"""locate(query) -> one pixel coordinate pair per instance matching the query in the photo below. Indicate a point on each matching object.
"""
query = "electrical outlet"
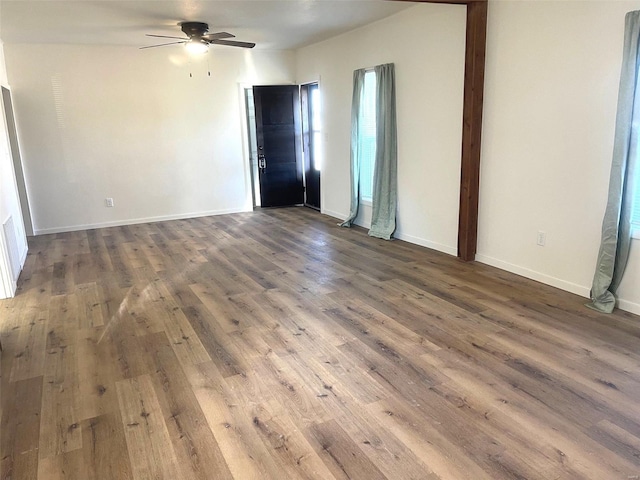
(108, 202)
(542, 238)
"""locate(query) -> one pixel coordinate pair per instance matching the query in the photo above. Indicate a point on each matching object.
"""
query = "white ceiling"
(271, 24)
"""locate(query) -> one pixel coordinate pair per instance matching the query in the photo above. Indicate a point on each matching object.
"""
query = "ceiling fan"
(198, 40)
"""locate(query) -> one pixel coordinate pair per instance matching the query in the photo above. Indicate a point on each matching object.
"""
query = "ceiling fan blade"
(217, 36)
(165, 36)
(163, 45)
(232, 43)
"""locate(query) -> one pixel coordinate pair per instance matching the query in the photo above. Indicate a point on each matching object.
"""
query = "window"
(367, 136)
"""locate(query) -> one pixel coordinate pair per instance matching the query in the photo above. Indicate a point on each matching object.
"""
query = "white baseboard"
(339, 216)
(402, 236)
(134, 221)
(426, 243)
(583, 291)
(627, 306)
(537, 276)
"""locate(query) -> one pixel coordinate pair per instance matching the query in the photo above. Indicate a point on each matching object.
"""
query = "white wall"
(9, 203)
(99, 121)
(426, 43)
(550, 103)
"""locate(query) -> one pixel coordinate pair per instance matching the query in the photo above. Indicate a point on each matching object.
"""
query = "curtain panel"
(385, 174)
(616, 225)
(356, 150)
(385, 178)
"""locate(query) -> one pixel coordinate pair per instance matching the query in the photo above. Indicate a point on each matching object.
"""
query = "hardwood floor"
(276, 345)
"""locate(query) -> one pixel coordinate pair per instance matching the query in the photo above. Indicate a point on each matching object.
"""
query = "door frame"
(246, 153)
(8, 285)
(18, 168)
(248, 176)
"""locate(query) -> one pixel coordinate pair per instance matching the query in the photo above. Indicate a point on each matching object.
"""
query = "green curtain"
(356, 150)
(616, 226)
(385, 174)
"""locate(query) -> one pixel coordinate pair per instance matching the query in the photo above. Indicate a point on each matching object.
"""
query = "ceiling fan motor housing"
(194, 29)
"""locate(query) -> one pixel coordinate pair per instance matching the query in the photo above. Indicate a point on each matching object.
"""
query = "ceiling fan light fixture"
(197, 46)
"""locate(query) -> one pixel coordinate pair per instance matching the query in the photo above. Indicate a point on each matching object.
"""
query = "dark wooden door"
(279, 147)
(311, 139)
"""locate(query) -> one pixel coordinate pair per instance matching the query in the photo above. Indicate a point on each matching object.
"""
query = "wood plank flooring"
(276, 345)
